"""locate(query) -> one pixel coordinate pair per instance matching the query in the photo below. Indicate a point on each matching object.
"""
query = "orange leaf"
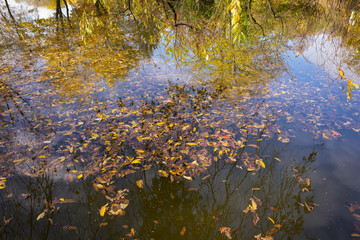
(183, 230)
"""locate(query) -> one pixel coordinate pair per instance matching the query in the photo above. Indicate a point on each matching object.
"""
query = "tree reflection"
(164, 208)
(202, 169)
(195, 161)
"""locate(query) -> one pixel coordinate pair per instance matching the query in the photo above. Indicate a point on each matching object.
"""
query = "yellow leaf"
(139, 183)
(2, 183)
(194, 163)
(102, 210)
(357, 216)
(80, 176)
(61, 199)
(271, 220)
(297, 54)
(103, 224)
(341, 72)
(355, 235)
(163, 173)
(253, 205)
(261, 163)
(277, 159)
(188, 178)
(191, 144)
(136, 161)
(160, 123)
(41, 215)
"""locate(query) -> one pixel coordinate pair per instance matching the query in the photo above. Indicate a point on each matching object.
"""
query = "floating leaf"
(2, 183)
(271, 220)
(136, 161)
(272, 231)
(41, 215)
(357, 216)
(116, 209)
(226, 232)
(102, 210)
(71, 227)
(26, 195)
(191, 144)
(261, 163)
(103, 224)
(139, 183)
(255, 219)
(163, 173)
(353, 207)
(80, 176)
(183, 230)
(188, 178)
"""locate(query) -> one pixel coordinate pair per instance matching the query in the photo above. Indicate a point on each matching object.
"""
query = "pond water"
(132, 129)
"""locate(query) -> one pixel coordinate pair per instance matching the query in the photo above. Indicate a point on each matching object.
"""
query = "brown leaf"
(353, 207)
(272, 231)
(103, 224)
(255, 219)
(226, 232)
(26, 195)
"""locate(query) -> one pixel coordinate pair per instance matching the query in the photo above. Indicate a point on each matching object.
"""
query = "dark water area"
(135, 130)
